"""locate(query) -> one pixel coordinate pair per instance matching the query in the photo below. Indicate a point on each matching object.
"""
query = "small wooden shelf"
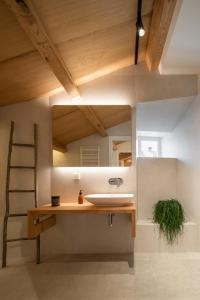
(37, 225)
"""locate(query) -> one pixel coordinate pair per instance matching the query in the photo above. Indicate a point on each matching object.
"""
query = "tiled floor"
(162, 277)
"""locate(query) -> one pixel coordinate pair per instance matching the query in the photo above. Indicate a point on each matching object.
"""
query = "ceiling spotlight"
(140, 28)
(141, 31)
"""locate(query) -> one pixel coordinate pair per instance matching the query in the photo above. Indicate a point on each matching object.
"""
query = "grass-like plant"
(170, 216)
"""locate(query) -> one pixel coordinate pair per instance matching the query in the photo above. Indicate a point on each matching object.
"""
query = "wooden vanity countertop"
(36, 225)
(82, 208)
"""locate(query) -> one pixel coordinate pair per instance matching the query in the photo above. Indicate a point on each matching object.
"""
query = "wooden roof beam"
(90, 115)
(59, 147)
(163, 11)
(31, 24)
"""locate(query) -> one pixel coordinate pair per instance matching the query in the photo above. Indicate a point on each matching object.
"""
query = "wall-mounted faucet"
(110, 220)
(115, 181)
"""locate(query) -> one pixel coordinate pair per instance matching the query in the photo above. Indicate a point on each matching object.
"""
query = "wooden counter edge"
(37, 226)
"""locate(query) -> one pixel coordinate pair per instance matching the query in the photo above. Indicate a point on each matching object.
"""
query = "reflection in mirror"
(120, 151)
(92, 136)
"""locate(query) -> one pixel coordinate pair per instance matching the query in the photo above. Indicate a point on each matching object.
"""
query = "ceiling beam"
(59, 147)
(90, 115)
(31, 24)
(161, 19)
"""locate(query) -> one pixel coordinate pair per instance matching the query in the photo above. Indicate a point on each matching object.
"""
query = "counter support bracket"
(37, 226)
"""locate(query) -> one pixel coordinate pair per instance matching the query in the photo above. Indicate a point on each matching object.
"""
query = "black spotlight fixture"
(140, 32)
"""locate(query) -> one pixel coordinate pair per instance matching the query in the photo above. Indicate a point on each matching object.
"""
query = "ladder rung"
(22, 167)
(19, 239)
(17, 215)
(22, 191)
(23, 145)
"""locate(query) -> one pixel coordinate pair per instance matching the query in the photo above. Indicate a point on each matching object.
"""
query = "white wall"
(184, 144)
(156, 180)
(181, 55)
(161, 116)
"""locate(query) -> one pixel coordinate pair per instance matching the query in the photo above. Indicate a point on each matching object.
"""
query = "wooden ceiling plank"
(93, 119)
(30, 22)
(24, 79)
(161, 19)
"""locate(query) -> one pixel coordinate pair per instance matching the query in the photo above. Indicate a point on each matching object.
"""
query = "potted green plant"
(170, 216)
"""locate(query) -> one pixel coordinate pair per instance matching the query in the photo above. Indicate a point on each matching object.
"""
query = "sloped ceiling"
(93, 37)
(161, 116)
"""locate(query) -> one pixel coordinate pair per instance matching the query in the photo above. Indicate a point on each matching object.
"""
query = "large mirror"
(92, 135)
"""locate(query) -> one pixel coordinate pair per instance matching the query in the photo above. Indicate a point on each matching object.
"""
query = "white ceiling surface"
(182, 49)
(160, 116)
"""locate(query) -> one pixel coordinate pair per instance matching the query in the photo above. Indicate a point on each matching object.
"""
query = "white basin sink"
(110, 199)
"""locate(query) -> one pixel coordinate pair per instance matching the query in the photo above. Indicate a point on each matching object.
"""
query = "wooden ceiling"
(47, 44)
(72, 122)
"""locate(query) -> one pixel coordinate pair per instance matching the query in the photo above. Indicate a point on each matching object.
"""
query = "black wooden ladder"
(8, 215)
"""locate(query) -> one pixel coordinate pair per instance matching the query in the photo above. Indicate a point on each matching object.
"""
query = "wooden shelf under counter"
(38, 223)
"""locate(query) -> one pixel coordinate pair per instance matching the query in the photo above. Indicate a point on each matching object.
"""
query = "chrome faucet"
(115, 181)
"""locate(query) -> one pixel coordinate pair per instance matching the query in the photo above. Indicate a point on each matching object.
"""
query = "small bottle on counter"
(80, 197)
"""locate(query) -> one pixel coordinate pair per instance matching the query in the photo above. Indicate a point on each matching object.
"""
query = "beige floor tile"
(155, 277)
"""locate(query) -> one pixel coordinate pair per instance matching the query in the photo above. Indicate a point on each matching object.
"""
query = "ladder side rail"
(35, 187)
(7, 211)
(8, 191)
(35, 163)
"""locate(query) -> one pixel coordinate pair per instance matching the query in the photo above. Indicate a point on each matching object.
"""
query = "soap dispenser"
(80, 197)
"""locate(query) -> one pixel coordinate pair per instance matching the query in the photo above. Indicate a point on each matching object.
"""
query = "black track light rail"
(138, 23)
